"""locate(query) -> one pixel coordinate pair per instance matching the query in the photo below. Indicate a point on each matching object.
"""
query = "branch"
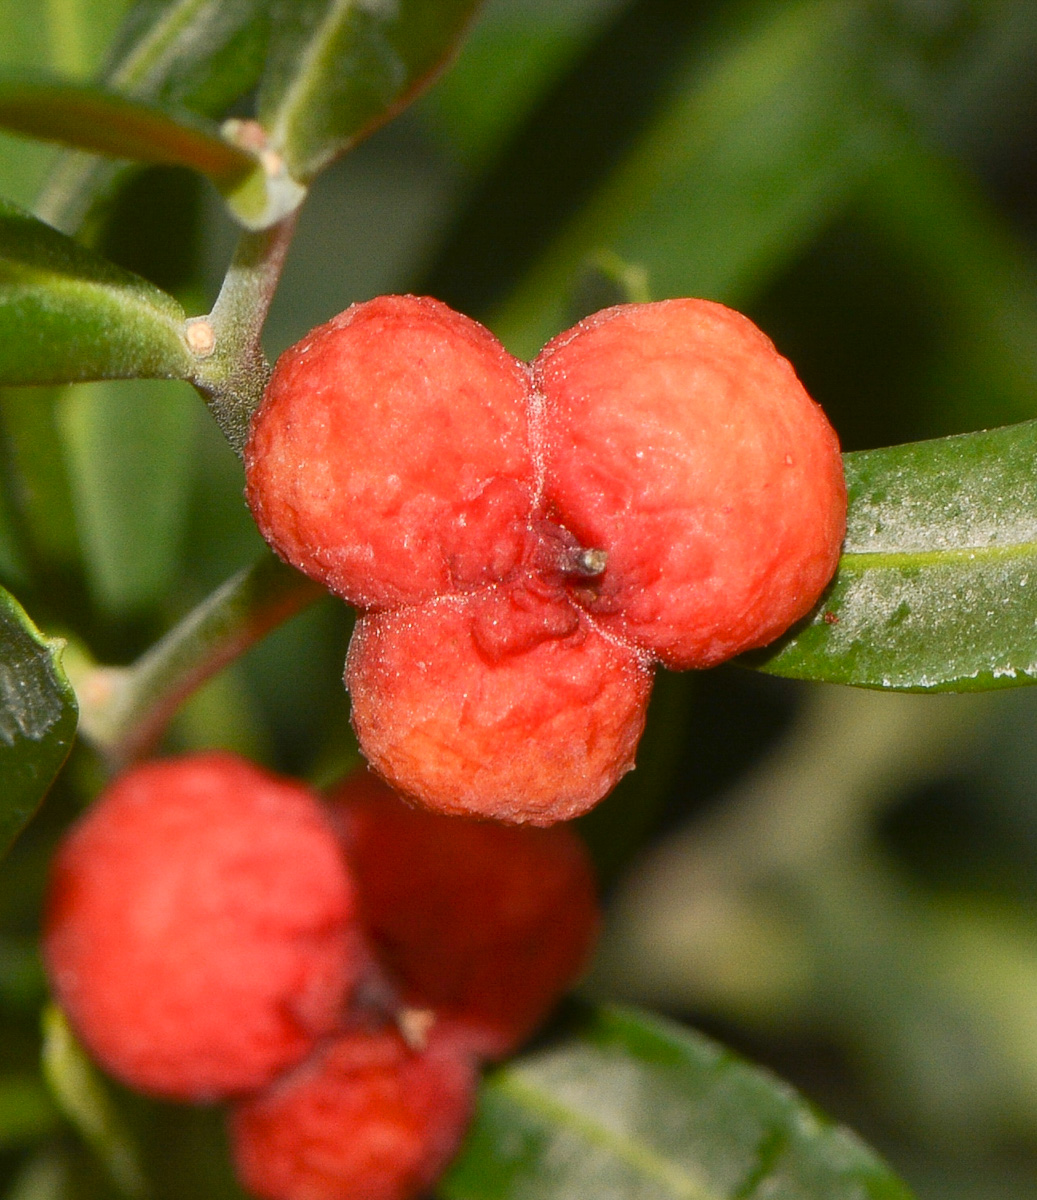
(124, 710)
(232, 370)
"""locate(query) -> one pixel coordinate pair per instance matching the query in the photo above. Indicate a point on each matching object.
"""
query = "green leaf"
(84, 1097)
(66, 314)
(630, 1105)
(46, 1176)
(339, 68)
(201, 54)
(26, 1111)
(936, 587)
(35, 477)
(105, 122)
(37, 717)
(67, 36)
(129, 447)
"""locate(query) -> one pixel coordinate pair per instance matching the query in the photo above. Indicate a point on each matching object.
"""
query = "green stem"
(232, 369)
(85, 1098)
(125, 710)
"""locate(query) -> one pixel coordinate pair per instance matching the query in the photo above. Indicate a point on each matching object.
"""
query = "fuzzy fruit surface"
(199, 928)
(527, 540)
(486, 924)
(365, 1118)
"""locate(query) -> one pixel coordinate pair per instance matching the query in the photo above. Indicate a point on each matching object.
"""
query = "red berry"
(366, 1118)
(486, 924)
(656, 487)
(199, 927)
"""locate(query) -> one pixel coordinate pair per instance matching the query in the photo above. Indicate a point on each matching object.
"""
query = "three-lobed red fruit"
(214, 931)
(199, 930)
(525, 541)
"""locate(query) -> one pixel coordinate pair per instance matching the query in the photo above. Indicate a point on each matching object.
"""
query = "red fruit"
(366, 1118)
(486, 924)
(199, 927)
(656, 487)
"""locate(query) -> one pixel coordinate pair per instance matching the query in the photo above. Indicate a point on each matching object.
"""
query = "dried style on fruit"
(526, 541)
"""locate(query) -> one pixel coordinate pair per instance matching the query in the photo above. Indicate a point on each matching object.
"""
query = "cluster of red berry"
(337, 970)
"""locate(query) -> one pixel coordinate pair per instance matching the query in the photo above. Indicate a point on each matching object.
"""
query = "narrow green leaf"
(67, 36)
(105, 122)
(66, 314)
(35, 477)
(85, 1099)
(630, 1105)
(339, 68)
(202, 54)
(37, 717)
(26, 1111)
(937, 586)
(46, 1176)
(76, 33)
(128, 447)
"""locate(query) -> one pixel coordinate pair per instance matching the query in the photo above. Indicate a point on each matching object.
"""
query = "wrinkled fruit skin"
(486, 924)
(366, 1118)
(199, 929)
(526, 541)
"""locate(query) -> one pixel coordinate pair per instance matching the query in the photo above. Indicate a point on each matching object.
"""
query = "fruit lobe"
(680, 442)
(366, 1118)
(391, 458)
(522, 736)
(486, 924)
(199, 927)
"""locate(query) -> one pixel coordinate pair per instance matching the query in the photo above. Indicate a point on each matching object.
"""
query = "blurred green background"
(841, 884)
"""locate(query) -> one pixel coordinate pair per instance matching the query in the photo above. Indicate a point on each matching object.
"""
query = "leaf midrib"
(141, 58)
(675, 1179)
(316, 50)
(857, 561)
